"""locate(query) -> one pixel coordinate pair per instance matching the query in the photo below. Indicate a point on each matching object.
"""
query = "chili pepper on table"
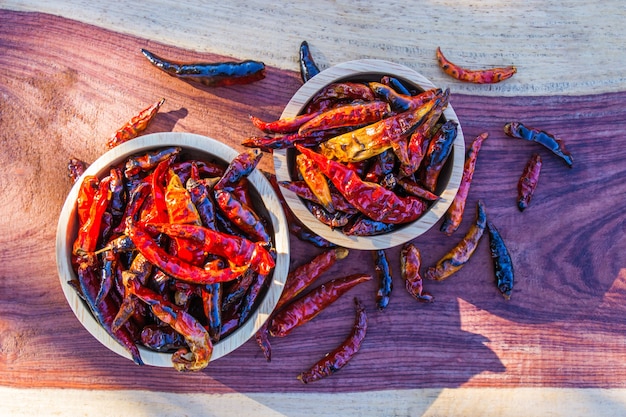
(528, 181)
(503, 265)
(308, 67)
(520, 131)
(439, 149)
(454, 214)
(385, 281)
(304, 309)
(217, 74)
(482, 76)
(135, 125)
(410, 264)
(371, 199)
(342, 354)
(348, 115)
(462, 252)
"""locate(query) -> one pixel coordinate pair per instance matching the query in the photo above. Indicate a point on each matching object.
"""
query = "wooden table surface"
(71, 73)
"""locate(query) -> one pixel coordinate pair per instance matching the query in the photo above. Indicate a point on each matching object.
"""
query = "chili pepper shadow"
(165, 121)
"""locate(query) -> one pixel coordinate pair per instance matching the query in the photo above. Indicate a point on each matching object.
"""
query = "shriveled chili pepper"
(286, 125)
(335, 92)
(212, 305)
(201, 199)
(196, 337)
(364, 226)
(481, 76)
(242, 216)
(145, 162)
(176, 267)
(241, 166)
(454, 214)
(502, 262)
(75, 168)
(462, 252)
(348, 115)
(204, 169)
(413, 188)
(385, 281)
(301, 189)
(86, 193)
(316, 181)
(304, 309)
(161, 338)
(118, 194)
(410, 264)
(289, 140)
(371, 199)
(237, 289)
(139, 269)
(89, 232)
(308, 67)
(528, 181)
(520, 131)
(401, 102)
(252, 296)
(211, 74)
(342, 354)
(135, 125)
(383, 164)
(333, 220)
(135, 200)
(396, 84)
(438, 151)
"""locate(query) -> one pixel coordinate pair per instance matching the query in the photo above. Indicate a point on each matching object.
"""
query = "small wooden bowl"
(368, 70)
(199, 147)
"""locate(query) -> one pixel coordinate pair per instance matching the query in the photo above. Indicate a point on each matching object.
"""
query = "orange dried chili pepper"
(482, 76)
(315, 180)
(135, 126)
(528, 182)
(89, 232)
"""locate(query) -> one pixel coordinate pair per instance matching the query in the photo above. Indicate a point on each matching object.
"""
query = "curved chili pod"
(161, 338)
(135, 126)
(482, 76)
(396, 84)
(385, 281)
(462, 252)
(135, 165)
(336, 92)
(335, 220)
(286, 125)
(454, 215)
(528, 182)
(410, 264)
(210, 74)
(242, 216)
(252, 296)
(348, 115)
(304, 309)
(415, 189)
(520, 131)
(502, 262)
(241, 166)
(301, 189)
(89, 231)
(308, 67)
(439, 149)
(316, 181)
(342, 354)
(364, 226)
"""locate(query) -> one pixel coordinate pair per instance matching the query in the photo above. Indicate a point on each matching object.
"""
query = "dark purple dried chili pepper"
(362, 225)
(242, 216)
(502, 262)
(528, 182)
(396, 84)
(211, 74)
(520, 131)
(335, 220)
(161, 338)
(212, 305)
(438, 151)
(308, 67)
(241, 166)
(252, 296)
(340, 356)
(385, 281)
(134, 165)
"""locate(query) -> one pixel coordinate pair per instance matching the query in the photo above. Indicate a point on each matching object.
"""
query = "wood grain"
(64, 90)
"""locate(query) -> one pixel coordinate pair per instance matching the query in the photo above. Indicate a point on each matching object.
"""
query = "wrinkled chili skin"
(528, 181)
(342, 354)
(349, 115)
(396, 84)
(482, 76)
(385, 281)
(316, 181)
(520, 131)
(462, 252)
(454, 215)
(304, 309)
(410, 264)
(413, 188)
(308, 67)
(211, 74)
(149, 160)
(212, 295)
(382, 165)
(286, 125)
(135, 125)
(502, 262)
(335, 220)
(302, 190)
(161, 338)
(89, 231)
(201, 199)
(439, 149)
(251, 297)
(242, 216)
(364, 226)
(75, 168)
(336, 92)
(241, 166)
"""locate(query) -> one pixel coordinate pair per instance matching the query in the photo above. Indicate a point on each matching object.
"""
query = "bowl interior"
(449, 178)
(194, 146)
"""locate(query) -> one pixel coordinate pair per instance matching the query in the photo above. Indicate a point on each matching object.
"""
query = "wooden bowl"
(368, 70)
(199, 147)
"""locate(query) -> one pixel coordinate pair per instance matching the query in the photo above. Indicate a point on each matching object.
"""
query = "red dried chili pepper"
(348, 115)
(336, 92)
(211, 74)
(528, 181)
(302, 190)
(75, 168)
(482, 76)
(149, 160)
(242, 216)
(86, 193)
(139, 270)
(396, 84)
(286, 125)
(304, 309)
(308, 67)
(454, 215)
(251, 297)
(462, 252)
(241, 166)
(503, 265)
(342, 354)
(201, 199)
(383, 164)
(316, 181)
(334, 220)
(89, 232)
(136, 199)
(371, 199)
(135, 126)
(410, 264)
(439, 149)
(402, 102)
(385, 281)
(413, 188)
(520, 131)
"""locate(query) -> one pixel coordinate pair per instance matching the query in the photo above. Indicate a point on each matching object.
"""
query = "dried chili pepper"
(413, 188)
(86, 193)
(161, 338)
(135, 125)
(251, 297)
(202, 201)
(402, 102)
(210, 74)
(462, 252)
(383, 164)
(286, 125)
(139, 270)
(334, 220)
(454, 214)
(241, 166)
(371, 199)
(342, 354)
(118, 194)
(148, 161)
(348, 115)
(89, 232)
(439, 149)
(308, 67)
(316, 181)
(385, 281)
(503, 265)
(337, 92)
(520, 131)
(396, 84)
(212, 296)
(304, 309)
(410, 264)
(75, 168)
(364, 226)
(302, 190)
(528, 181)
(482, 76)
(242, 216)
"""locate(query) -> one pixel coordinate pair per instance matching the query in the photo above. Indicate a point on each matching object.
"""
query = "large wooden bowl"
(199, 147)
(367, 70)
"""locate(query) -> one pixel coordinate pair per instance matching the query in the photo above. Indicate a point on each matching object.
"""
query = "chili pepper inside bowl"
(149, 290)
(391, 213)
